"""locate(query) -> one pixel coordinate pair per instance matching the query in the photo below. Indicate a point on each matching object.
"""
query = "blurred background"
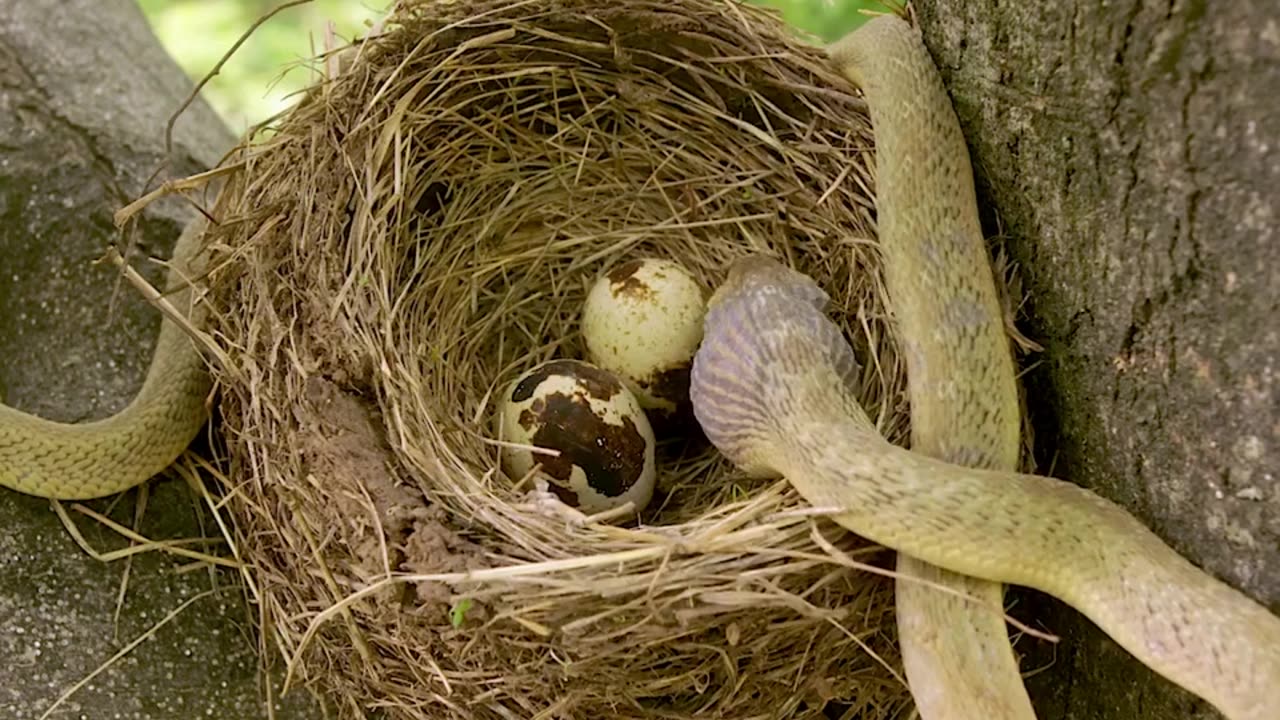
(258, 80)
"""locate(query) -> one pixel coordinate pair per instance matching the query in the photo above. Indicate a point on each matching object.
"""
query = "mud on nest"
(422, 227)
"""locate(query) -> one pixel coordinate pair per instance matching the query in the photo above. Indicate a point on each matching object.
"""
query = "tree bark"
(85, 91)
(1127, 153)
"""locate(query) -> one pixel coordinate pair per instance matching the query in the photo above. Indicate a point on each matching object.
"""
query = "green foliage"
(271, 65)
(827, 20)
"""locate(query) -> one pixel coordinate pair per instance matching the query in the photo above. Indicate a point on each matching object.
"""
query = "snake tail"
(81, 461)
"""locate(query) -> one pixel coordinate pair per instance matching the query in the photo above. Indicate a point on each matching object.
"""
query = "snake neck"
(768, 351)
(937, 272)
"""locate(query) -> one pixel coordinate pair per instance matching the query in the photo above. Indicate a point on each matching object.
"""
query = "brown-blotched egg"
(605, 441)
(643, 322)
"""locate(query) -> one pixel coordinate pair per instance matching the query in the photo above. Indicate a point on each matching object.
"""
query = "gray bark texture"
(1127, 154)
(85, 91)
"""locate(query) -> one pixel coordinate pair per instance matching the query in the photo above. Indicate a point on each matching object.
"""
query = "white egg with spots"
(604, 440)
(643, 322)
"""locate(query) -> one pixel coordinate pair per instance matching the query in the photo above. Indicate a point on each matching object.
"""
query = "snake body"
(960, 372)
(80, 461)
(773, 388)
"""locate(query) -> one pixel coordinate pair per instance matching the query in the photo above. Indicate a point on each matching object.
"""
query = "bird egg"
(604, 439)
(643, 322)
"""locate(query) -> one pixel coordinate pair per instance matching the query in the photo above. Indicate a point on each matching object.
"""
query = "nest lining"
(423, 227)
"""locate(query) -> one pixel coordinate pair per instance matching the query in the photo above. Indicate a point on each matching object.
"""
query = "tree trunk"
(1127, 153)
(85, 91)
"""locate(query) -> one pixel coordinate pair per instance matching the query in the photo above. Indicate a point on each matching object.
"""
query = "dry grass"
(424, 226)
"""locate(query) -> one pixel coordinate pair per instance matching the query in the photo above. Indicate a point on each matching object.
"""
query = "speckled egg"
(643, 322)
(605, 441)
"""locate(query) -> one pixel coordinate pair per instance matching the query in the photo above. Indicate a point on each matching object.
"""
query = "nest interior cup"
(423, 227)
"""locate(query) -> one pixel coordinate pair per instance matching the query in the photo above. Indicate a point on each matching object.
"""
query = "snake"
(774, 388)
(83, 461)
(961, 387)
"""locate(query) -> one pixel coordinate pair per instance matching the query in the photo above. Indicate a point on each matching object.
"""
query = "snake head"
(768, 353)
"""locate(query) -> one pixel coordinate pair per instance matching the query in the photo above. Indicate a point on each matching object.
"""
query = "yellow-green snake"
(80, 461)
(773, 388)
(963, 396)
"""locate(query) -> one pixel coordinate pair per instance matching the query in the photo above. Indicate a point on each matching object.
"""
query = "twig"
(168, 128)
(169, 546)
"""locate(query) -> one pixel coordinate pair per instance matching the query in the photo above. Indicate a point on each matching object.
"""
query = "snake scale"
(963, 396)
(773, 388)
(81, 461)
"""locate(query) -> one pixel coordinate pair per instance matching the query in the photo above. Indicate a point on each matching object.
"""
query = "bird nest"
(422, 227)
